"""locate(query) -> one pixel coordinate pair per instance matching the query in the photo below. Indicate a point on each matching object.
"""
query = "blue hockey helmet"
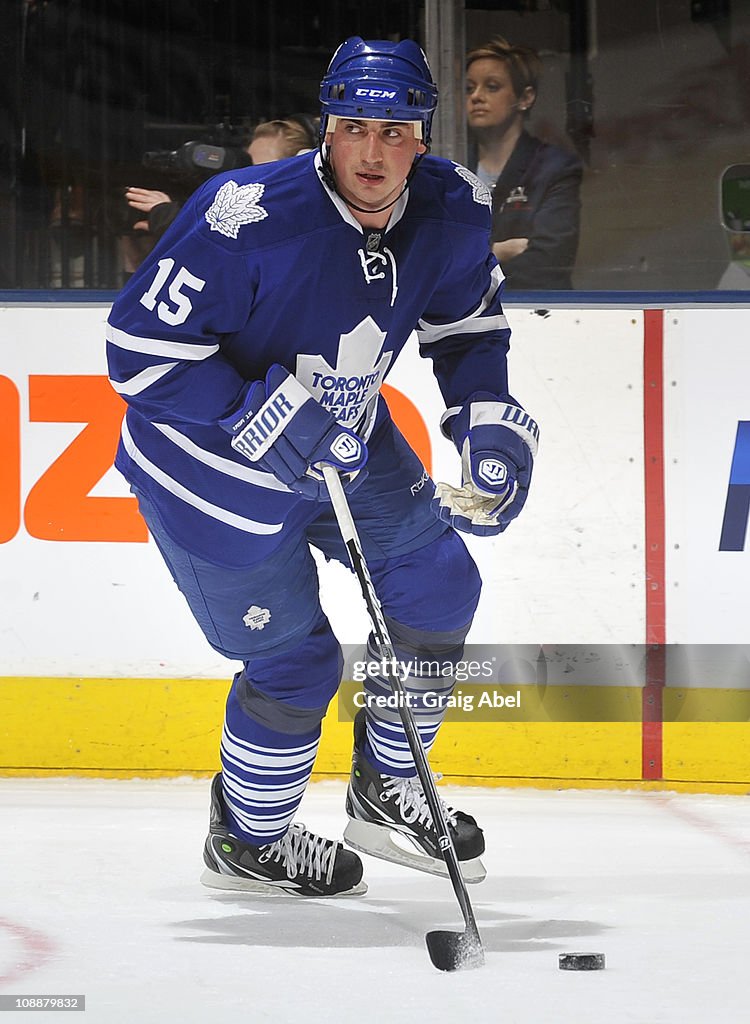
(381, 81)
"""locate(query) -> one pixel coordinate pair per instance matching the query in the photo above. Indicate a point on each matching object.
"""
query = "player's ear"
(421, 148)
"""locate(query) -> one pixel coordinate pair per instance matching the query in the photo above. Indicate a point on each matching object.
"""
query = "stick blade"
(455, 951)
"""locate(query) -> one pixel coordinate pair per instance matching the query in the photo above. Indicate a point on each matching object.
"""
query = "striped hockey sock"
(427, 689)
(264, 776)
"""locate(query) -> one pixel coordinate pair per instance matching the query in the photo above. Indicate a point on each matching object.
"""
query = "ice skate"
(301, 864)
(389, 818)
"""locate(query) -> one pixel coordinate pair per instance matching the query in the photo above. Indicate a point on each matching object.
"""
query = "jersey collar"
(399, 207)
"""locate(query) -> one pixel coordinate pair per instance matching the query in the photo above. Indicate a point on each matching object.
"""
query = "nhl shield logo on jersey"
(479, 191)
(256, 618)
(235, 205)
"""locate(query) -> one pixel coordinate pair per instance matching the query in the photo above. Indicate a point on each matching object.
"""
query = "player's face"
(370, 161)
(490, 99)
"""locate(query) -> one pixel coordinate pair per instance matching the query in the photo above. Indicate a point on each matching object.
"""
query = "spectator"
(144, 200)
(535, 185)
(271, 140)
(275, 140)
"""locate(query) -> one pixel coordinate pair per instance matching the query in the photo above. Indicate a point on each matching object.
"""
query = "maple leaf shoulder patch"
(235, 205)
(479, 191)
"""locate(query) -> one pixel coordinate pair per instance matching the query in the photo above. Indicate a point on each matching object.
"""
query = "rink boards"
(634, 534)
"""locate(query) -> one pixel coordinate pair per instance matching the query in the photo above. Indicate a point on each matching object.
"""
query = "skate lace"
(411, 799)
(303, 853)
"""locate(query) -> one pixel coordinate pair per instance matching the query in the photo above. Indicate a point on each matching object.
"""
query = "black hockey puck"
(581, 961)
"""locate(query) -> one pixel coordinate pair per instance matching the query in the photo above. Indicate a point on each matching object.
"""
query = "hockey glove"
(282, 429)
(497, 442)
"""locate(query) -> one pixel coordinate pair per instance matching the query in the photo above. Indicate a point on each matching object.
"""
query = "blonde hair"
(524, 64)
(293, 135)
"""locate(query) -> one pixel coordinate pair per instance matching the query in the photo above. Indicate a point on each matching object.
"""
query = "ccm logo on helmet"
(377, 94)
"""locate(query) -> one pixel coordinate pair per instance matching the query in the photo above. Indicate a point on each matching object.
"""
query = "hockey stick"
(448, 950)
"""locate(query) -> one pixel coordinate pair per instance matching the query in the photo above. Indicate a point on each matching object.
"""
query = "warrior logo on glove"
(497, 441)
(346, 448)
(259, 433)
(493, 472)
(283, 430)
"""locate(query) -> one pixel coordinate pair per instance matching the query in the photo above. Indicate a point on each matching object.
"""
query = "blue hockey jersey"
(267, 265)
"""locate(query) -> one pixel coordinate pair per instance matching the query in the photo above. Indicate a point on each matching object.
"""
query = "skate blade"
(231, 883)
(366, 837)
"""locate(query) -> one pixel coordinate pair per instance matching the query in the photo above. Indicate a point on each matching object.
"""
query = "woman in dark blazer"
(535, 185)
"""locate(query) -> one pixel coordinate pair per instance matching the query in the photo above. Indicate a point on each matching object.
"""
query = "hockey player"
(250, 348)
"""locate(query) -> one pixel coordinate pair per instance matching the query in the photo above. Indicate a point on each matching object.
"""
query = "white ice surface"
(100, 896)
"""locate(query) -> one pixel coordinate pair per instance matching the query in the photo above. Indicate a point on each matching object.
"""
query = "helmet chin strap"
(330, 180)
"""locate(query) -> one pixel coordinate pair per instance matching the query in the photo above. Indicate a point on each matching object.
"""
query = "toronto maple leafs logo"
(479, 191)
(346, 387)
(235, 205)
(256, 618)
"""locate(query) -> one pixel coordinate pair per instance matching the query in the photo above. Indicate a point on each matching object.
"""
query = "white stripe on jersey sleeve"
(474, 323)
(223, 515)
(219, 463)
(158, 346)
(142, 380)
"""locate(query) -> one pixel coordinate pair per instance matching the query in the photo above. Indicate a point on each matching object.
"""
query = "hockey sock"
(264, 775)
(427, 688)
